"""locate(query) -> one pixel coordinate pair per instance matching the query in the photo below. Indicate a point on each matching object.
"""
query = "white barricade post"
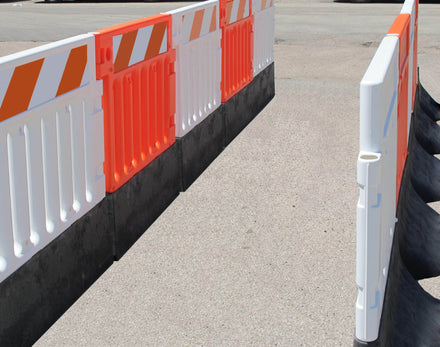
(51, 145)
(410, 7)
(197, 40)
(264, 34)
(376, 172)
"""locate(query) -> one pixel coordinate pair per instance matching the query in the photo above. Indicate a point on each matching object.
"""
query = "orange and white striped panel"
(236, 10)
(260, 5)
(199, 23)
(33, 83)
(135, 46)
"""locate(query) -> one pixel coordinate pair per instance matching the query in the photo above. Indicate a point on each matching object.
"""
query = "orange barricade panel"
(136, 63)
(401, 29)
(237, 44)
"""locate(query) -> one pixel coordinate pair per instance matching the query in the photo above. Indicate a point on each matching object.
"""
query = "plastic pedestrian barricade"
(376, 172)
(136, 63)
(51, 145)
(401, 29)
(264, 34)
(237, 21)
(196, 38)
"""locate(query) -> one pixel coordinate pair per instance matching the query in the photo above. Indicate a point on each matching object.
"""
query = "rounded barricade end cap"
(401, 24)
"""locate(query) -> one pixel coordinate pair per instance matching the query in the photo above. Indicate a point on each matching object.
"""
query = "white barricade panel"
(264, 34)
(409, 7)
(376, 173)
(197, 40)
(51, 145)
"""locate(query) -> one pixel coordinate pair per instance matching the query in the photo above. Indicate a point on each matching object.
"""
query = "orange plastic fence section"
(136, 63)
(237, 44)
(401, 29)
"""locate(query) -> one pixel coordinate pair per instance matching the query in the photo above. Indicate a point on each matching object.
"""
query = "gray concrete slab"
(260, 250)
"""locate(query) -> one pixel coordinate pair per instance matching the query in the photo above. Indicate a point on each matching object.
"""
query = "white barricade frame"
(376, 172)
(197, 40)
(264, 34)
(53, 150)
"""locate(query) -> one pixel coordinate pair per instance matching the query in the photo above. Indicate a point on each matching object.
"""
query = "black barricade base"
(244, 106)
(140, 201)
(199, 147)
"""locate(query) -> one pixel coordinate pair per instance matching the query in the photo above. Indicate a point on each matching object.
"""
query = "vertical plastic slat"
(19, 190)
(36, 181)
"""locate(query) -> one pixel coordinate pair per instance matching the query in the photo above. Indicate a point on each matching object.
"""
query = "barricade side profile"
(392, 258)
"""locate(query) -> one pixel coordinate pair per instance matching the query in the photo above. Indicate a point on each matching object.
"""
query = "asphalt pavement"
(260, 250)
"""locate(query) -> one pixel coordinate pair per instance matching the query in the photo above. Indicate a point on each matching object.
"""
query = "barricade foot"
(358, 343)
(41, 290)
(411, 316)
(139, 202)
(201, 146)
(248, 103)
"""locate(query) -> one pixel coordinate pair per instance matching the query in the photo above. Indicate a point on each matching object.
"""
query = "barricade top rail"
(399, 25)
(401, 29)
(260, 5)
(409, 5)
(232, 11)
(35, 76)
(194, 21)
(380, 63)
(123, 45)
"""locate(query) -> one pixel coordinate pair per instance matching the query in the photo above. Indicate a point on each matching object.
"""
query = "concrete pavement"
(260, 251)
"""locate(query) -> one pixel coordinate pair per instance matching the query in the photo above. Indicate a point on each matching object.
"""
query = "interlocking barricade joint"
(51, 145)
(136, 63)
(264, 34)
(401, 29)
(376, 172)
(237, 23)
(411, 7)
(196, 38)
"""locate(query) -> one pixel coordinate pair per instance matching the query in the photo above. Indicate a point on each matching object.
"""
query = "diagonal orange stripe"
(263, 4)
(74, 71)
(157, 36)
(197, 24)
(228, 11)
(20, 90)
(271, 3)
(241, 7)
(213, 25)
(125, 49)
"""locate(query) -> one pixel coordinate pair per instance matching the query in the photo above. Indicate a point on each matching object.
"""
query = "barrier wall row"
(387, 93)
(81, 117)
